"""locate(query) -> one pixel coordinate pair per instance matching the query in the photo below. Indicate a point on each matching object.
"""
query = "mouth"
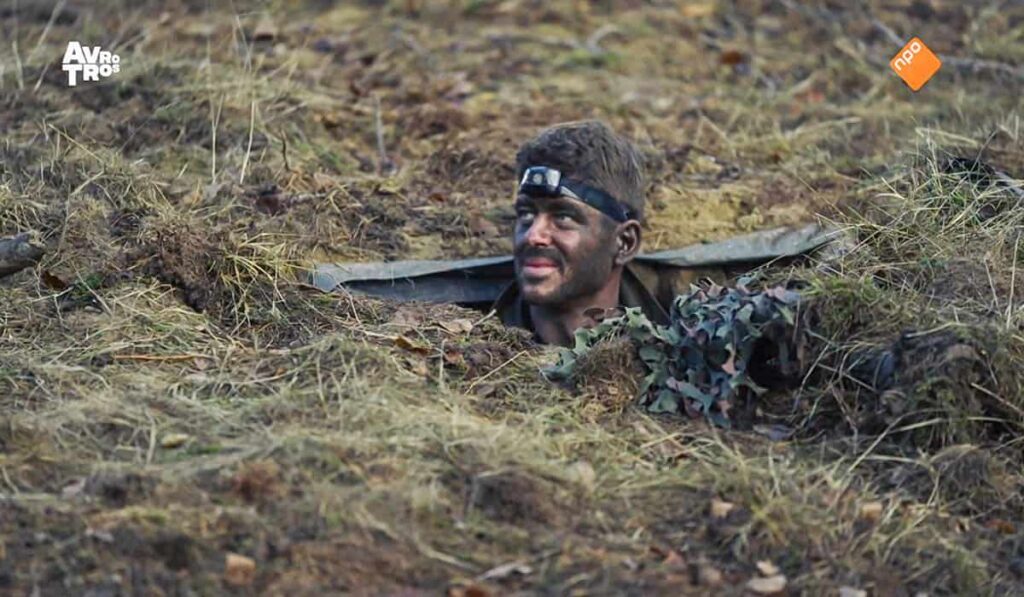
(538, 267)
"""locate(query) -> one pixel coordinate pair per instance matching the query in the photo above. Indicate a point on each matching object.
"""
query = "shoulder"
(640, 288)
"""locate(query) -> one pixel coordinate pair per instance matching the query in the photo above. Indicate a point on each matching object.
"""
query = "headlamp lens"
(539, 180)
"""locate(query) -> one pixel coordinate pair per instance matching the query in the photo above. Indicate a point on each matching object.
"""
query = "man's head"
(572, 242)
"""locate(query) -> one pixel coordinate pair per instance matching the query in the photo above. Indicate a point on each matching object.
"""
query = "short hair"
(589, 152)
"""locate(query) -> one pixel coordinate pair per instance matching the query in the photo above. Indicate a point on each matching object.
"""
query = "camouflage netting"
(722, 347)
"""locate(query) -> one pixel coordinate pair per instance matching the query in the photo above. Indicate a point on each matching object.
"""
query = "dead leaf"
(811, 96)
(708, 575)
(871, 511)
(419, 368)
(408, 315)
(506, 570)
(99, 535)
(481, 226)
(1002, 525)
(52, 282)
(581, 472)
(674, 560)
(469, 591)
(199, 29)
(407, 344)
(454, 357)
(767, 586)
(766, 568)
(459, 88)
(329, 120)
(239, 571)
(698, 11)
(266, 30)
(732, 57)
(720, 508)
(852, 592)
(73, 489)
(174, 440)
(457, 326)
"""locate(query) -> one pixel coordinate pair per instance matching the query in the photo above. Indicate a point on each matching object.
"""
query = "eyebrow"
(551, 204)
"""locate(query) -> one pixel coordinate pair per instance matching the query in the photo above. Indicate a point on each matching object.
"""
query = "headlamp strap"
(548, 182)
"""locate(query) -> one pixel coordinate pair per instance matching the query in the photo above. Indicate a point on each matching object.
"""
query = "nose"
(539, 233)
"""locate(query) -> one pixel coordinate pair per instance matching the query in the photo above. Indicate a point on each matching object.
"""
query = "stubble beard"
(587, 278)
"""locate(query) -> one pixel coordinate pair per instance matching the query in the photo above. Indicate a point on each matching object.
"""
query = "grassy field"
(181, 414)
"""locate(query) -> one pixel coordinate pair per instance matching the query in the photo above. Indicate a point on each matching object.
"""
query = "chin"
(537, 295)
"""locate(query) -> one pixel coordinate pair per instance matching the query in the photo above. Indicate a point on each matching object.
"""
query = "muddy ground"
(181, 414)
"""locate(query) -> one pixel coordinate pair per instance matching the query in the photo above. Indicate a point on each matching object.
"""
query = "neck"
(557, 324)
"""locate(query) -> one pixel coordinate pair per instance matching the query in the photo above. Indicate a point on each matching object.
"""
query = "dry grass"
(170, 392)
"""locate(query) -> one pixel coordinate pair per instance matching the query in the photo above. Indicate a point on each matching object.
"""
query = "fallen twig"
(962, 64)
(593, 43)
(977, 65)
(522, 567)
(384, 164)
(158, 357)
(887, 32)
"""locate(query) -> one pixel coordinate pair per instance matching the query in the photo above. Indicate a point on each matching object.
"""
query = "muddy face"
(563, 249)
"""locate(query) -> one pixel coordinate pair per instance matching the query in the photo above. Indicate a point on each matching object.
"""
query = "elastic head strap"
(548, 182)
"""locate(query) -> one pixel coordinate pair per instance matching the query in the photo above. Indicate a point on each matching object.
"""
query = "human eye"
(566, 218)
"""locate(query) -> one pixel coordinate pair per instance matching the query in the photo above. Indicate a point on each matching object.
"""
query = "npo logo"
(915, 63)
(91, 62)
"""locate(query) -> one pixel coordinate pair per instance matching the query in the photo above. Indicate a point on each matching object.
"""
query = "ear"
(628, 236)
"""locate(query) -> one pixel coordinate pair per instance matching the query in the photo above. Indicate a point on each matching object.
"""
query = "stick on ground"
(17, 253)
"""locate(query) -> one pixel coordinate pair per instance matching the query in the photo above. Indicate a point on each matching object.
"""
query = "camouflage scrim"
(720, 343)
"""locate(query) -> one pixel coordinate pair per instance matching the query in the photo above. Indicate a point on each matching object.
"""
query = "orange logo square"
(915, 63)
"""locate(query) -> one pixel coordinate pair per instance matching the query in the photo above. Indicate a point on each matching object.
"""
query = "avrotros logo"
(91, 62)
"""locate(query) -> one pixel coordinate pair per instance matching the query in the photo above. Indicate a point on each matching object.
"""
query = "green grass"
(351, 445)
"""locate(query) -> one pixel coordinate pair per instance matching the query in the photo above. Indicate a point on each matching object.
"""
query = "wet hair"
(588, 151)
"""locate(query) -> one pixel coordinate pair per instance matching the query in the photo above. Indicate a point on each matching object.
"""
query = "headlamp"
(538, 180)
(541, 181)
